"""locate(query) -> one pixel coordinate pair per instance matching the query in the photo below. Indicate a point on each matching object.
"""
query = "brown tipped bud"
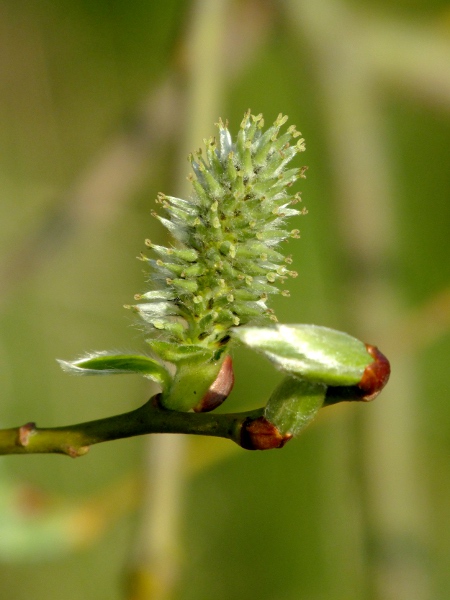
(375, 377)
(220, 389)
(260, 434)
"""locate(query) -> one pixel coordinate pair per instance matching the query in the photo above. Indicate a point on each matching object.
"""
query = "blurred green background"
(100, 103)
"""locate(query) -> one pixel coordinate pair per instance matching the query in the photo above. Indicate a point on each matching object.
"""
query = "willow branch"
(75, 440)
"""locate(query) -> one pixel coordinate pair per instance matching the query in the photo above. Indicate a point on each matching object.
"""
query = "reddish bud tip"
(260, 434)
(220, 389)
(376, 375)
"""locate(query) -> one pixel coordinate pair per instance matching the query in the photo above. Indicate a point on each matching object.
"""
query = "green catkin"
(225, 262)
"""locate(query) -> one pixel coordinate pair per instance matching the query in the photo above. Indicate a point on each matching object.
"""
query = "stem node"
(24, 434)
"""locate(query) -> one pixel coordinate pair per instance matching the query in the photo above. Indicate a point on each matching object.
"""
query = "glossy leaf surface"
(311, 352)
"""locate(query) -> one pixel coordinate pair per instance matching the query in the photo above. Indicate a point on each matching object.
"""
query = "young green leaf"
(102, 363)
(179, 353)
(310, 352)
(294, 404)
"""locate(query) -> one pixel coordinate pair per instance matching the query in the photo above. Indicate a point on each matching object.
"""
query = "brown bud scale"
(376, 375)
(260, 434)
(220, 389)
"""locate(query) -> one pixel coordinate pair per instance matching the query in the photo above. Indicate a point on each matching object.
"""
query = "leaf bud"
(374, 378)
(260, 434)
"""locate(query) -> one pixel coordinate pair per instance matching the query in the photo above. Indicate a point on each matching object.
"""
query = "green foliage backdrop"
(100, 103)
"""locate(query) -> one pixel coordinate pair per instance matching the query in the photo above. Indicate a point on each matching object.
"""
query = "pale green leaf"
(112, 364)
(294, 404)
(310, 352)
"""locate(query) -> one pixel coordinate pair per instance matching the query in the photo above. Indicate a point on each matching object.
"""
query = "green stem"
(75, 440)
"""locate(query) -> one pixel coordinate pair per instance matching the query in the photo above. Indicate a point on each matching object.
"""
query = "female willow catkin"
(224, 261)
